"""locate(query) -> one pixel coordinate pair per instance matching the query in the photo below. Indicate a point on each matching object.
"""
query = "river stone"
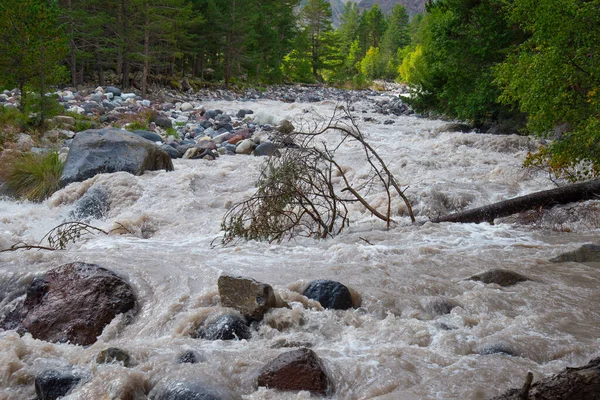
(251, 298)
(582, 383)
(188, 357)
(225, 327)
(186, 107)
(53, 384)
(115, 91)
(295, 370)
(440, 306)
(243, 112)
(92, 205)
(151, 136)
(72, 303)
(171, 151)
(285, 127)
(500, 277)
(246, 146)
(586, 253)
(267, 149)
(113, 355)
(185, 390)
(64, 119)
(97, 151)
(163, 121)
(330, 294)
(496, 348)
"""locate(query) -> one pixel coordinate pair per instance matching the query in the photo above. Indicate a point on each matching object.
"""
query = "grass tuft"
(32, 176)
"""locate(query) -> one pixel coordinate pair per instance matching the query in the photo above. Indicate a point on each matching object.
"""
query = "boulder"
(190, 390)
(330, 294)
(295, 370)
(171, 151)
(267, 149)
(251, 298)
(224, 327)
(243, 112)
(72, 303)
(586, 253)
(582, 383)
(500, 277)
(65, 120)
(440, 305)
(151, 136)
(92, 205)
(52, 384)
(115, 91)
(246, 146)
(97, 151)
(113, 355)
(186, 107)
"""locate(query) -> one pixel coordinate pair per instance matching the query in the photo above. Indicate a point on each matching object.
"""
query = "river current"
(397, 345)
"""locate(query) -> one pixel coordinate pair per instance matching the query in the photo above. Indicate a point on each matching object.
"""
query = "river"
(396, 345)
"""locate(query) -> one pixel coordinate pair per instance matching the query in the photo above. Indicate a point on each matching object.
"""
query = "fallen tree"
(570, 384)
(544, 199)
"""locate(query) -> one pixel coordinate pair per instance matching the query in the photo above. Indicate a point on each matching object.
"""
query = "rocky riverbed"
(419, 311)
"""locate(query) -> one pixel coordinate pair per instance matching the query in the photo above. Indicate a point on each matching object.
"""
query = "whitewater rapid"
(396, 345)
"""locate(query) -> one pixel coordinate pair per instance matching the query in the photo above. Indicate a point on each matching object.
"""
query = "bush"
(32, 176)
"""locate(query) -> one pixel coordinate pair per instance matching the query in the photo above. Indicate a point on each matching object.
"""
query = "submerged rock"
(454, 127)
(97, 151)
(72, 303)
(186, 390)
(330, 294)
(92, 205)
(586, 253)
(225, 327)
(249, 297)
(52, 384)
(500, 277)
(114, 355)
(188, 357)
(295, 370)
(496, 348)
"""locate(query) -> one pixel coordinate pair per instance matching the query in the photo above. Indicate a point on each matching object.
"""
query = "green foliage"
(554, 77)
(172, 132)
(33, 176)
(461, 43)
(374, 64)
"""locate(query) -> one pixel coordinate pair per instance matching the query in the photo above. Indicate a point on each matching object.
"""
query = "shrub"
(32, 176)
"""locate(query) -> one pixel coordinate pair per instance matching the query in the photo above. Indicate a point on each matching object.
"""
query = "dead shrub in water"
(32, 176)
(305, 191)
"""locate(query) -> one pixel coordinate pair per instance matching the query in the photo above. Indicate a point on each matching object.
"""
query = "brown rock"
(72, 303)
(295, 370)
(500, 277)
(249, 297)
(236, 139)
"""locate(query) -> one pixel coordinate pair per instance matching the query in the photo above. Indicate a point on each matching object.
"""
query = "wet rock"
(242, 113)
(496, 348)
(267, 149)
(440, 306)
(225, 327)
(586, 253)
(55, 383)
(188, 357)
(454, 127)
(151, 136)
(92, 205)
(72, 303)
(582, 383)
(163, 121)
(500, 277)
(246, 146)
(185, 390)
(295, 370)
(388, 122)
(171, 151)
(113, 355)
(97, 151)
(251, 298)
(330, 294)
(285, 127)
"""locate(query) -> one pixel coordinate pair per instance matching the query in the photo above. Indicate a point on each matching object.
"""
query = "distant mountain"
(412, 6)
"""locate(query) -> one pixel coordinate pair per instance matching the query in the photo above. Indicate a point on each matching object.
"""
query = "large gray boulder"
(97, 151)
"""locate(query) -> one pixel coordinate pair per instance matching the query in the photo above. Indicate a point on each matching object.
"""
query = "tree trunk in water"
(546, 198)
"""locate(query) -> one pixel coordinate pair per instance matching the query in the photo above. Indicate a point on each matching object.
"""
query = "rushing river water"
(396, 345)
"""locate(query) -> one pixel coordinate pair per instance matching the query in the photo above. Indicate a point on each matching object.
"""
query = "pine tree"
(317, 19)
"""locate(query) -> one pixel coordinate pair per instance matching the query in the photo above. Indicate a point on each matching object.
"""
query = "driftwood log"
(581, 383)
(545, 199)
